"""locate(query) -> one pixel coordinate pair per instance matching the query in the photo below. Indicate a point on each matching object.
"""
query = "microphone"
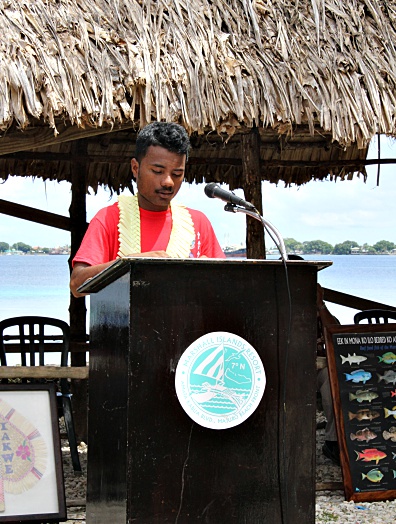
(212, 190)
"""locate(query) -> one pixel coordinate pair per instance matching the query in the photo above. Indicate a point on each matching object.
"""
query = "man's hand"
(83, 272)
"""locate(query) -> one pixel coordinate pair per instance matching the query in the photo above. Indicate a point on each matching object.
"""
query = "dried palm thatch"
(215, 66)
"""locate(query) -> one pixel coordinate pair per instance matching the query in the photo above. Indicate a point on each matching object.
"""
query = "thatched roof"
(317, 77)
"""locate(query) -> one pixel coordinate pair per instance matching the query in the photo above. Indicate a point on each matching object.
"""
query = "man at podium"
(148, 224)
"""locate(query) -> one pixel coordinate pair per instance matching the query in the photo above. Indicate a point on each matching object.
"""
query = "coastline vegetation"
(348, 247)
(309, 247)
(320, 247)
(20, 248)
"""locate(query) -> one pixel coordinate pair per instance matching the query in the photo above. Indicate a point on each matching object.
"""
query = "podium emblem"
(220, 380)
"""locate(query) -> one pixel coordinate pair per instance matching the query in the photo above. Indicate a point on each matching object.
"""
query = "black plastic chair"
(375, 316)
(28, 338)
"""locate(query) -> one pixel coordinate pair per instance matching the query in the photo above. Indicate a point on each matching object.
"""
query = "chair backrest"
(375, 316)
(32, 338)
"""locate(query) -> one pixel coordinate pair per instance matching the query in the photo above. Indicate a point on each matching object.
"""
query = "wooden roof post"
(250, 144)
(77, 309)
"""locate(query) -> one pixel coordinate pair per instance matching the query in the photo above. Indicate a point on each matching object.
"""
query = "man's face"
(158, 177)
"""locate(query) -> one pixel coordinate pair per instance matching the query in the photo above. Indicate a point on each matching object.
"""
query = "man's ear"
(135, 167)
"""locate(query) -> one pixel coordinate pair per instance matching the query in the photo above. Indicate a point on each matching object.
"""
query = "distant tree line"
(319, 247)
(310, 247)
(18, 246)
(23, 248)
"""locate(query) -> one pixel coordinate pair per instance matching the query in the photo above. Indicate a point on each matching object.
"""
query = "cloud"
(335, 211)
(320, 220)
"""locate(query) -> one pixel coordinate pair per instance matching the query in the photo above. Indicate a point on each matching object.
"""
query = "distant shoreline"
(228, 254)
(33, 254)
(231, 254)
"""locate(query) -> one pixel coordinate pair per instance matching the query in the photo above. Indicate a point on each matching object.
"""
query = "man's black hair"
(168, 135)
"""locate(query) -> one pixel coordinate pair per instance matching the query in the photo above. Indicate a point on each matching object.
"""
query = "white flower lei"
(182, 234)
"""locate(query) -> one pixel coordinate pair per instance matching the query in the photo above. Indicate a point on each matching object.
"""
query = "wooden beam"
(327, 163)
(76, 503)
(50, 347)
(344, 299)
(43, 156)
(250, 151)
(35, 215)
(80, 373)
(293, 163)
(106, 158)
(77, 309)
(330, 486)
(40, 136)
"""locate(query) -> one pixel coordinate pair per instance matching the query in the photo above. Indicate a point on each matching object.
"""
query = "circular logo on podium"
(220, 380)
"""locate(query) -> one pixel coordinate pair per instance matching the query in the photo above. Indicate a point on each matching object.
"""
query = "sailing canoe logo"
(220, 380)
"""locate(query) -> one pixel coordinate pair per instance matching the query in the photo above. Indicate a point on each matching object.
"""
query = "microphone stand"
(266, 225)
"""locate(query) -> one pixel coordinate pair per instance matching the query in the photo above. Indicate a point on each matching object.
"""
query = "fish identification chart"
(362, 367)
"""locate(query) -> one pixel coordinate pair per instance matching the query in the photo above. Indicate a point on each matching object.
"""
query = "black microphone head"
(209, 189)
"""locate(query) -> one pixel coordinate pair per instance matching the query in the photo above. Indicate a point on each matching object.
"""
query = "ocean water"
(367, 276)
(39, 285)
(34, 285)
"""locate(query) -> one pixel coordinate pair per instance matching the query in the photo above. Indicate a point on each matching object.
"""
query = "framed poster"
(362, 367)
(31, 475)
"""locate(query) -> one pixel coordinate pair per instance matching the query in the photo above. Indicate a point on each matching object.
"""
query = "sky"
(328, 210)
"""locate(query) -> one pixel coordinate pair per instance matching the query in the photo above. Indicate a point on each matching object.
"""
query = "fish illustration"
(352, 359)
(363, 414)
(363, 434)
(370, 454)
(374, 475)
(387, 358)
(394, 473)
(388, 377)
(390, 412)
(390, 434)
(359, 375)
(393, 393)
(363, 395)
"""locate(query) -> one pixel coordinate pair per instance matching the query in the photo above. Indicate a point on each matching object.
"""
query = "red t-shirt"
(100, 243)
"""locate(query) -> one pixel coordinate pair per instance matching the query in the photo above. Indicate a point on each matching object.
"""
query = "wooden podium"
(148, 462)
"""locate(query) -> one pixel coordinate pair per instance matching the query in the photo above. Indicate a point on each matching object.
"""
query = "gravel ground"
(331, 506)
(75, 485)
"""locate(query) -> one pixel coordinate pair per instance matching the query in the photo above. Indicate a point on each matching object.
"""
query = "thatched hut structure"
(281, 91)
(316, 78)
(278, 91)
